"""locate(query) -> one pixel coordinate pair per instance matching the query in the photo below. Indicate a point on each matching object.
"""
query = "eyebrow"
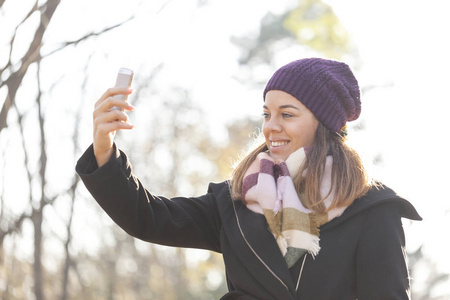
(283, 106)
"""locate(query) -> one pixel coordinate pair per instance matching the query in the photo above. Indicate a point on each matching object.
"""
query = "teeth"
(277, 144)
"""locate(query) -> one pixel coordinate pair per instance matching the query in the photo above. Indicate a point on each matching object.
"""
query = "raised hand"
(107, 120)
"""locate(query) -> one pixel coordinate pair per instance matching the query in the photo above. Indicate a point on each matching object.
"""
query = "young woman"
(299, 219)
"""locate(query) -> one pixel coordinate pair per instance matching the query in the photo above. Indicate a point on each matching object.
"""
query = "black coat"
(361, 257)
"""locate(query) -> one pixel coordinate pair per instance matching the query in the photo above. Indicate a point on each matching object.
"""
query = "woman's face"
(288, 124)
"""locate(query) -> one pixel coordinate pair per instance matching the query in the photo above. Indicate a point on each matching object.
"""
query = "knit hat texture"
(327, 87)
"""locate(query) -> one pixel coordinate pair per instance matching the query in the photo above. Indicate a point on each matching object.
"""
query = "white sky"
(401, 43)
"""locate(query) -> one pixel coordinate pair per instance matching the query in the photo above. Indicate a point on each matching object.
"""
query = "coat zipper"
(300, 274)
(251, 248)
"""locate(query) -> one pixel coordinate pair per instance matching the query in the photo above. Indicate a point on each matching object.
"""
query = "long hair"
(350, 179)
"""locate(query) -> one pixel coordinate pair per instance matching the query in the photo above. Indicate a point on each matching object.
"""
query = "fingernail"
(130, 91)
(131, 107)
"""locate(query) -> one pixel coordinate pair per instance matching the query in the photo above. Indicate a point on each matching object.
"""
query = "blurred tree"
(21, 72)
(19, 69)
(243, 134)
(312, 24)
(428, 283)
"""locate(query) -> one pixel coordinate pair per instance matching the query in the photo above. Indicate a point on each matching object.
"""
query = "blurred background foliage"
(55, 242)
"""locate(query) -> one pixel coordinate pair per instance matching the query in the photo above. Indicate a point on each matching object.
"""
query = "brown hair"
(350, 179)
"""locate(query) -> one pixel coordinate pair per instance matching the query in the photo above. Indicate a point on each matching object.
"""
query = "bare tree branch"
(69, 262)
(13, 38)
(14, 227)
(32, 55)
(25, 152)
(5, 110)
(38, 213)
(87, 36)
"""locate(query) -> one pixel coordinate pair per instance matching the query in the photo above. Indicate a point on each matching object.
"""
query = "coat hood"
(377, 195)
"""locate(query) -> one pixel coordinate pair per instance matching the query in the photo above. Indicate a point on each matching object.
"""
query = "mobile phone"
(124, 79)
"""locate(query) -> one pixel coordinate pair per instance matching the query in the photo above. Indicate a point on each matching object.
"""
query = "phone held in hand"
(124, 79)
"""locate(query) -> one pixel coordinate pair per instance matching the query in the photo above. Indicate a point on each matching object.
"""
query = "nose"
(273, 124)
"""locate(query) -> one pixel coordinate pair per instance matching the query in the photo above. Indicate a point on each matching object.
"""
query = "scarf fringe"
(310, 244)
(315, 247)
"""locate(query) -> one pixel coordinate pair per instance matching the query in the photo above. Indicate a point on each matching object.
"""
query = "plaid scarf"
(268, 189)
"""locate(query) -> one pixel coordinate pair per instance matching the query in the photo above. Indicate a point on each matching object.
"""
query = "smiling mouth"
(279, 143)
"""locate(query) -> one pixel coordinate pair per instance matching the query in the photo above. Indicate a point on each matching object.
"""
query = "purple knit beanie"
(327, 87)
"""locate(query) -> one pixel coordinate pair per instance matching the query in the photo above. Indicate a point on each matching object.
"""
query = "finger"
(106, 128)
(111, 116)
(111, 92)
(108, 103)
(111, 102)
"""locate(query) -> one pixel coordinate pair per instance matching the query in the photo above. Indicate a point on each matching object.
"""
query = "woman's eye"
(265, 115)
(286, 115)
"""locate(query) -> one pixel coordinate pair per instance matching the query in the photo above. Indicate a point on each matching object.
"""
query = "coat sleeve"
(181, 222)
(382, 272)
